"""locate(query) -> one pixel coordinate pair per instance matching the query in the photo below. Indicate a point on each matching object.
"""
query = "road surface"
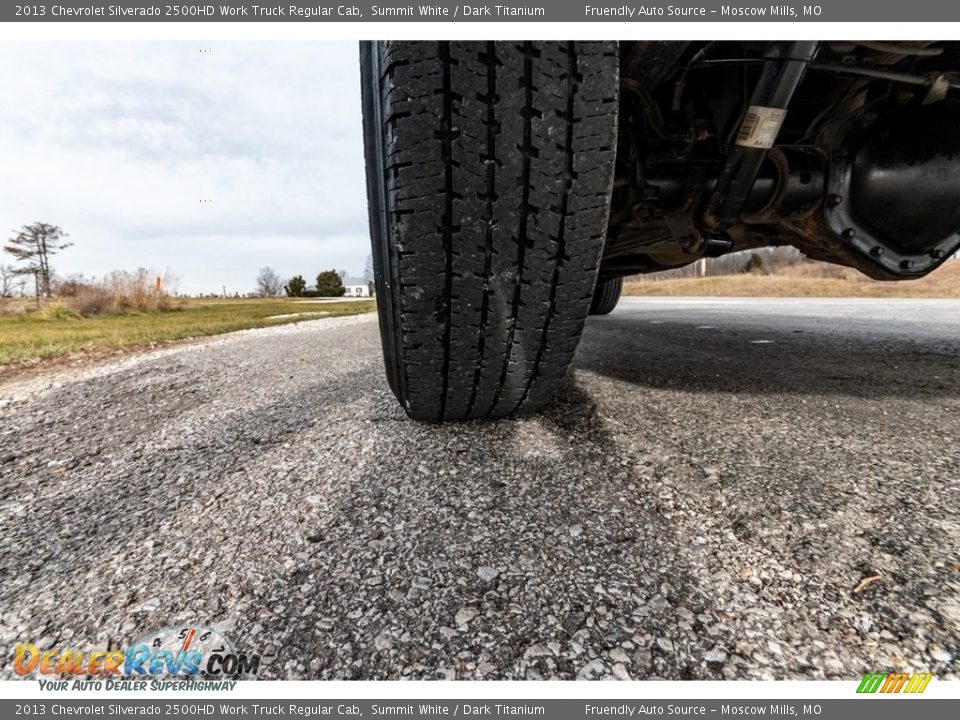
(725, 488)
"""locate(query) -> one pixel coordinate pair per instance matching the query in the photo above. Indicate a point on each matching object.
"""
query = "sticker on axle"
(760, 128)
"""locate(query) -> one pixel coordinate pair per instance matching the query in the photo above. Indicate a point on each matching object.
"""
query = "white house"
(356, 287)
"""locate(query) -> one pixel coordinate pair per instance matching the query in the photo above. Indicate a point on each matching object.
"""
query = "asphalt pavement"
(724, 488)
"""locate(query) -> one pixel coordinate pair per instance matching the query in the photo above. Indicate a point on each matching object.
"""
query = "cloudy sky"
(213, 164)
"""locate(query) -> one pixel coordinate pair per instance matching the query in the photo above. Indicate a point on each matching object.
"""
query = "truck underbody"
(849, 151)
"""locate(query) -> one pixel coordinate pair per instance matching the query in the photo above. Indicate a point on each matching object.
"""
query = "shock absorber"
(783, 69)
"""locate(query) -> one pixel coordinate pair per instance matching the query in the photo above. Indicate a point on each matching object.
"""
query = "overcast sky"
(118, 143)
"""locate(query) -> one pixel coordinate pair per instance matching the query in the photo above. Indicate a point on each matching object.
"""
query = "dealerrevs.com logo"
(172, 652)
(894, 683)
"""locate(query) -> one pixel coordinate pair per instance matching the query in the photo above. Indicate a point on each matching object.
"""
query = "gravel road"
(740, 488)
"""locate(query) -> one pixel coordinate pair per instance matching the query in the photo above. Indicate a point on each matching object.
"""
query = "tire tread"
(498, 165)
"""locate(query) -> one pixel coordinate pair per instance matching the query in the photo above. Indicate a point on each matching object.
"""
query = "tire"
(606, 296)
(489, 174)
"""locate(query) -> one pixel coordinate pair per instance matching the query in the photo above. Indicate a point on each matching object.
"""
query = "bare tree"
(8, 276)
(269, 283)
(32, 246)
(368, 268)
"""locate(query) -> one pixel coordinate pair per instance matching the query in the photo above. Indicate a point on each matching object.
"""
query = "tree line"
(328, 283)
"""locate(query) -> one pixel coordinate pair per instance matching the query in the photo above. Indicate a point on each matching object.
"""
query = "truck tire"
(489, 174)
(606, 296)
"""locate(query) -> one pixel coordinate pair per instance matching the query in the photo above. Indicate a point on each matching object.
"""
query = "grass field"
(49, 333)
(29, 337)
(801, 282)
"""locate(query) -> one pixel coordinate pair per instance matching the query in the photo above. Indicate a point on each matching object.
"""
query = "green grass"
(54, 331)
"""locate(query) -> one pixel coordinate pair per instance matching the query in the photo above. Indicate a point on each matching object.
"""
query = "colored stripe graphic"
(918, 683)
(871, 682)
(894, 683)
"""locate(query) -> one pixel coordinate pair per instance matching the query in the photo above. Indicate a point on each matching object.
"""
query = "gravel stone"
(538, 650)
(487, 574)
(619, 655)
(658, 602)
(465, 615)
(715, 656)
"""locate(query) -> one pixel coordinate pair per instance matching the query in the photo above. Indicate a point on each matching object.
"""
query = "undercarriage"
(849, 151)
